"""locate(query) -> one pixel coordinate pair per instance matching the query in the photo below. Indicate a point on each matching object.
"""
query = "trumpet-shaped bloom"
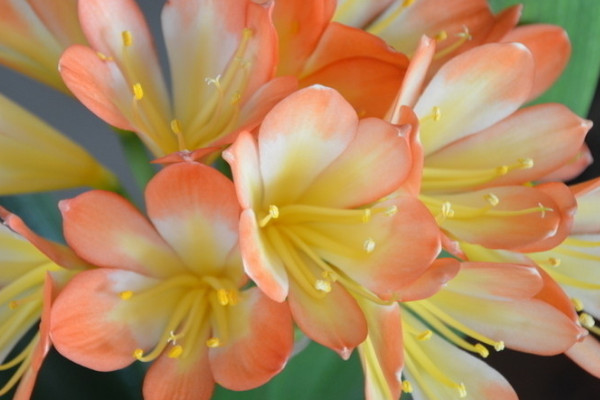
(359, 65)
(490, 304)
(168, 289)
(31, 273)
(221, 58)
(321, 224)
(35, 157)
(476, 194)
(34, 33)
(464, 24)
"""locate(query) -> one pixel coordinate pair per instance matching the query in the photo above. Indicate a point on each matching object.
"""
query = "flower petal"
(106, 230)
(586, 354)
(373, 165)
(433, 279)
(91, 325)
(315, 122)
(335, 320)
(473, 91)
(549, 135)
(260, 342)
(551, 49)
(194, 208)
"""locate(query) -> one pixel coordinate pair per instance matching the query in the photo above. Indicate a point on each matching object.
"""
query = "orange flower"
(34, 33)
(325, 223)
(221, 58)
(168, 289)
(463, 25)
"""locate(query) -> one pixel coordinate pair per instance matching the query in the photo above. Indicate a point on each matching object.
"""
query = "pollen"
(369, 245)
(586, 320)
(103, 56)
(126, 295)
(127, 38)
(13, 304)
(407, 387)
(323, 285)
(554, 262)
(213, 342)
(492, 199)
(175, 352)
(578, 304)
(499, 346)
(223, 297)
(138, 91)
(138, 354)
(440, 36)
(525, 163)
(425, 335)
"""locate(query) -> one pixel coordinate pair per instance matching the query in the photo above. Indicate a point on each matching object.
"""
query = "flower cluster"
(364, 174)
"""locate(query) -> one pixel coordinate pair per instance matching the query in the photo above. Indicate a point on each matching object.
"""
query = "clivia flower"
(34, 33)
(168, 289)
(35, 157)
(326, 221)
(222, 59)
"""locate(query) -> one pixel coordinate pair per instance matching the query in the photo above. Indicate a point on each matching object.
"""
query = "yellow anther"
(366, 216)
(273, 214)
(233, 297)
(247, 33)
(138, 354)
(127, 38)
(525, 163)
(138, 91)
(222, 297)
(330, 276)
(407, 387)
(440, 36)
(235, 98)
(499, 346)
(586, 320)
(425, 335)
(103, 56)
(391, 210)
(437, 113)
(462, 390)
(502, 170)
(578, 304)
(482, 350)
(213, 342)
(492, 199)
(369, 245)
(175, 126)
(554, 262)
(13, 304)
(175, 352)
(447, 210)
(126, 295)
(323, 285)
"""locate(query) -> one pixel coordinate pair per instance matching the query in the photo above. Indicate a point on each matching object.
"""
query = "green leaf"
(581, 20)
(315, 373)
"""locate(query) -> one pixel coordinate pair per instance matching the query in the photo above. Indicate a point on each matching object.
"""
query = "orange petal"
(473, 91)
(191, 204)
(383, 352)
(549, 135)
(521, 216)
(573, 168)
(106, 230)
(394, 260)
(433, 279)
(335, 320)
(96, 83)
(91, 325)
(551, 49)
(299, 25)
(261, 263)
(586, 354)
(588, 207)
(259, 346)
(373, 165)
(315, 121)
(169, 378)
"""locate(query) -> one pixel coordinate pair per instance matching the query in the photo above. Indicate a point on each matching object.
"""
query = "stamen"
(103, 56)
(578, 304)
(369, 245)
(273, 214)
(554, 262)
(213, 342)
(425, 335)
(407, 387)
(435, 115)
(126, 295)
(138, 91)
(463, 37)
(127, 38)
(175, 352)
(298, 213)
(440, 36)
(222, 297)
(323, 285)
(586, 320)
(492, 199)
